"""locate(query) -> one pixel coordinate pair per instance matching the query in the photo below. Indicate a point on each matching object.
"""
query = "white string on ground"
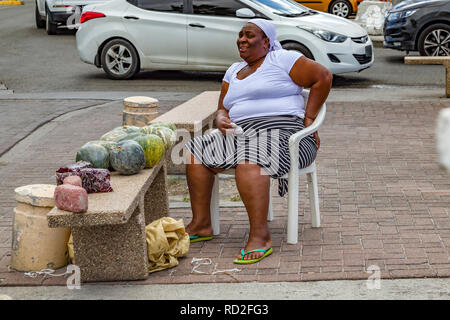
(207, 261)
(47, 272)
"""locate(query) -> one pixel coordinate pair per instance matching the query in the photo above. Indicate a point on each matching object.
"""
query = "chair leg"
(214, 207)
(270, 213)
(314, 199)
(292, 225)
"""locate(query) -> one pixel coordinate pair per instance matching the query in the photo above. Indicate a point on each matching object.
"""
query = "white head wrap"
(269, 29)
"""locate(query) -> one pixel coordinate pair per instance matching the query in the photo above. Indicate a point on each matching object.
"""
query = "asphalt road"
(32, 61)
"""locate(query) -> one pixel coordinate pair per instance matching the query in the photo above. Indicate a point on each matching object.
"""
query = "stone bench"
(445, 61)
(193, 116)
(109, 240)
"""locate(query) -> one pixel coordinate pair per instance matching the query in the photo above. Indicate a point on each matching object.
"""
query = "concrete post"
(139, 111)
(35, 246)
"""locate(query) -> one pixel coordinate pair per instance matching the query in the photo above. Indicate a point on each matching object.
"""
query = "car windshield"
(285, 8)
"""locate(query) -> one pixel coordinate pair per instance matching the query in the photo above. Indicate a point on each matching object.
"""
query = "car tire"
(120, 59)
(50, 26)
(340, 8)
(40, 23)
(430, 40)
(298, 47)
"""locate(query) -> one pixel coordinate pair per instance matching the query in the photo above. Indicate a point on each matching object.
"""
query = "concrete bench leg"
(112, 253)
(156, 200)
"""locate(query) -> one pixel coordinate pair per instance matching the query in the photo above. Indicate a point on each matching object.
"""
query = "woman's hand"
(307, 122)
(223, 123)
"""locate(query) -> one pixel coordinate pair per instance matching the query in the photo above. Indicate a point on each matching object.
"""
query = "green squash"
(109, 145)
(171, 126)
(121, 133)
(153, 147)
(167, 135)
(127, 157)
(94, 153)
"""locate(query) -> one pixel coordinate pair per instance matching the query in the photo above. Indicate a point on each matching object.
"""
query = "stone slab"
(201, 110)
(428, 60)
(39, 195)
(110, 207)
(195, 116)
(445, 61)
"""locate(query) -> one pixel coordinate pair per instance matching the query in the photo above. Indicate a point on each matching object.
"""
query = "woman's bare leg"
(254, 189)
(200, 180)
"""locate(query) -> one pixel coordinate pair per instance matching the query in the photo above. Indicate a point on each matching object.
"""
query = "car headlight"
(394, 16)
(325, 34)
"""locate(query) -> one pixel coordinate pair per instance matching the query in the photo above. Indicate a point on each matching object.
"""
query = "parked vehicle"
(125, 36)
(417, 25)
(51, 14)
(341, 8)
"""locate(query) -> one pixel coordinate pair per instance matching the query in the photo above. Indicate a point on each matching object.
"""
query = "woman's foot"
(197, 229)
(256, 243)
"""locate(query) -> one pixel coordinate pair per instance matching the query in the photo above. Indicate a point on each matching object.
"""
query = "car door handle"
(131, 17)
(196, 25)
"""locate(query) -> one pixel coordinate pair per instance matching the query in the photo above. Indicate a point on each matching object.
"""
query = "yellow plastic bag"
(70, 249)
(167, 240)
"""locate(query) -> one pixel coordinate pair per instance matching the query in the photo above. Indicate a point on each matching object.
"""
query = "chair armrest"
(296, 137)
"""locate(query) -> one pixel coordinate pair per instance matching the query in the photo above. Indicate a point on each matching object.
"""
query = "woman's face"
(252, 43)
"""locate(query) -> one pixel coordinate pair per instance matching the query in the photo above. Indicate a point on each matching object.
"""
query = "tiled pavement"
(384, 200)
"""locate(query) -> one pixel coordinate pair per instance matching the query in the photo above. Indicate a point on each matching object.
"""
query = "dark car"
(418, 25)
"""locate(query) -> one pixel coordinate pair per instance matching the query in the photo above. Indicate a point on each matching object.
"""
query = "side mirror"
(245, 13)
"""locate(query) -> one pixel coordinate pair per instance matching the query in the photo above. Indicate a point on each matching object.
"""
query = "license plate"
(368, 51)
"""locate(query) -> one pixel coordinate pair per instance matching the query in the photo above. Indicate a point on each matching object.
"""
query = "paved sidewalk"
(22, 117)
(384, 200)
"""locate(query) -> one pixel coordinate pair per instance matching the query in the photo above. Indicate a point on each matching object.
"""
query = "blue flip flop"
(249, 261)
(199, 238)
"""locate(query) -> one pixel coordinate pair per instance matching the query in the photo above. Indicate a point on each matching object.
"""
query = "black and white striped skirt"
(265, 141)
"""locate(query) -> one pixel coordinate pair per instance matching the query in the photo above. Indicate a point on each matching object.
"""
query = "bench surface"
(109, 208)
(427, 60)
(188, 113)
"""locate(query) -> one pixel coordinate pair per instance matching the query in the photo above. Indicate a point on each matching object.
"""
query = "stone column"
(156, 199)
(139, 111)
(113, 252)
(35, 246)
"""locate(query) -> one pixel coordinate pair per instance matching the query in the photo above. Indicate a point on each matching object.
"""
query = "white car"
(125, 36)
(51, 14)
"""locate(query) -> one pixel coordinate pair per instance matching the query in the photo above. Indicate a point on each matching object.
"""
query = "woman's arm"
(223, 121)
(310, 74)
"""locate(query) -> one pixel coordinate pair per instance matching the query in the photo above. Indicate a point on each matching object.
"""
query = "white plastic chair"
(293, 184)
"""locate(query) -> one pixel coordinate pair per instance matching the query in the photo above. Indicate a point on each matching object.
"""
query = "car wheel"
(50, 26)
(435, 41)
(298, 47)
(40, 23)
(341, 8)
(119, 59)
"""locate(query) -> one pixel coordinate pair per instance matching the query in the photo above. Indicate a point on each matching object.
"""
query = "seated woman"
(260, 97)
